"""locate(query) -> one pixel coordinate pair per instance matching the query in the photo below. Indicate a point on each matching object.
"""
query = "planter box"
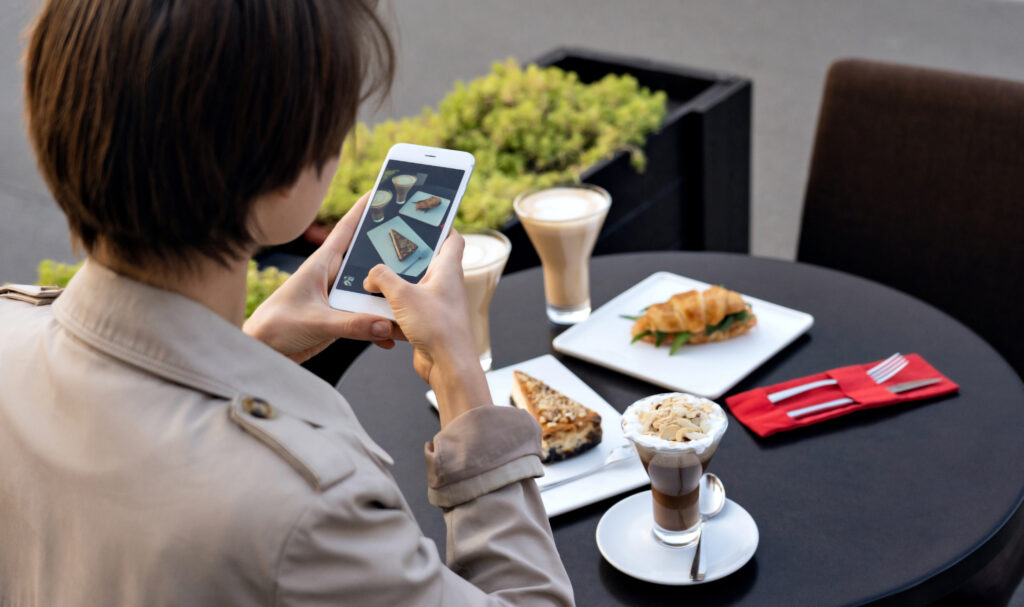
(693, 195)
(695, 191)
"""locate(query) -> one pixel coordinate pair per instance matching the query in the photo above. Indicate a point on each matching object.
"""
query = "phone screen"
(404, 220)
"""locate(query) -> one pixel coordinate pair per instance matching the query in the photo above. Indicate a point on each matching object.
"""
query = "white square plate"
(410, 266)
(617, 478)
(430, 216)
(707, 370)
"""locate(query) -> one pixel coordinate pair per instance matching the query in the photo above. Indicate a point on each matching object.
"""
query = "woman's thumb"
(382, 279)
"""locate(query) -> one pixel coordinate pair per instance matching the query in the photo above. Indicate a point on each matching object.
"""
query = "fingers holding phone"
(296, 319)
(408, 216)
(434, 317)
(432, 314)
(403, 265)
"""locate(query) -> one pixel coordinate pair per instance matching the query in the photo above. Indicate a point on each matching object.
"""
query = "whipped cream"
(634, 428)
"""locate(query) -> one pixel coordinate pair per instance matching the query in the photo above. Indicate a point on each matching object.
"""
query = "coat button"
(257, 407)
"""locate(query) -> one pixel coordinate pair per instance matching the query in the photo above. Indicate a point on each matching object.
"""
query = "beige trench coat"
(140, 465)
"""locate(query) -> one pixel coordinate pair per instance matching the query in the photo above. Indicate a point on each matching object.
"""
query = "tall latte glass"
(402, 184)
(563, 224)
(483, 260)
(675, 436)
(380, 202)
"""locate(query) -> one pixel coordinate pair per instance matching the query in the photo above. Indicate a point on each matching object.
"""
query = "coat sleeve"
(360, 544)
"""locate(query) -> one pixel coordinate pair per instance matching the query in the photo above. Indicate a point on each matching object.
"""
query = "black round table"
(896, 505)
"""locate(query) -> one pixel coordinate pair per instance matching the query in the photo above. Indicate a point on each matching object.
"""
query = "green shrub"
(526, 127)
(258, 287)
(362, 153)
(260, 284)
(52, 273)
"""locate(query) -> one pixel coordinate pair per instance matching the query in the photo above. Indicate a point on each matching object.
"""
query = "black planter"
(695, 191)
(693, 195)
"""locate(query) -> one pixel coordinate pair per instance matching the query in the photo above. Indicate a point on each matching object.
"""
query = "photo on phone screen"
(404, 220)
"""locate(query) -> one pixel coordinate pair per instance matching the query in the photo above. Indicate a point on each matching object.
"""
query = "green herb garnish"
(681, 338)
(640, 336)
(628, 317)
(659, 336)
(728, 321)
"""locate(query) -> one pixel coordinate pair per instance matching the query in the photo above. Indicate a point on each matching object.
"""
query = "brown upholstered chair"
(917, 181)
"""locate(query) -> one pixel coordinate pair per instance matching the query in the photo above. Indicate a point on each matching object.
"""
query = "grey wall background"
(785, 46)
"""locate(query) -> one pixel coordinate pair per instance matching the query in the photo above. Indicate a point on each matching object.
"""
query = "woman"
(158, 451)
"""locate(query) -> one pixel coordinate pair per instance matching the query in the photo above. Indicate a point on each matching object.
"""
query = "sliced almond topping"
(669, 432)
(688, 425)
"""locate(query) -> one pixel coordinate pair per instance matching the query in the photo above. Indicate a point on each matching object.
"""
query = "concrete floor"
(785, 46)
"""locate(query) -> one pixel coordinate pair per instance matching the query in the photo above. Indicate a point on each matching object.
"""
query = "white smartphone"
(411, 209)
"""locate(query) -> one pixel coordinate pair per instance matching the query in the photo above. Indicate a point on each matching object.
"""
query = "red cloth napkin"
(764, 417)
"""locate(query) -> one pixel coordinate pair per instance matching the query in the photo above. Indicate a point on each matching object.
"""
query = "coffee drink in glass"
(380, 201)
(563, 224)
(483, 260)
(675, 436)
(402, 184)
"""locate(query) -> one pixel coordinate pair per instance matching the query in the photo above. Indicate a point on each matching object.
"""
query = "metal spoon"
(712, 500)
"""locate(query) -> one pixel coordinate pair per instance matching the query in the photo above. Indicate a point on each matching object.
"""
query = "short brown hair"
(157, 122)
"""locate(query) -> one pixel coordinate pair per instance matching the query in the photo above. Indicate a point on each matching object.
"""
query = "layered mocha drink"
(675, 435)
(563, 224)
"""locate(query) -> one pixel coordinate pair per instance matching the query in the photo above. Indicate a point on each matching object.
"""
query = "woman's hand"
(434, 316)
(297, 321)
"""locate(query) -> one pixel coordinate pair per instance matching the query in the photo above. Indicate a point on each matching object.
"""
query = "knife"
(895, 389)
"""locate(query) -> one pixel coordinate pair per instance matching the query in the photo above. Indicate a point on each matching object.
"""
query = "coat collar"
(182, 341)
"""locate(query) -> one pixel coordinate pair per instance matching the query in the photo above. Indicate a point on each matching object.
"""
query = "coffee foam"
(482, 250)
(562, 204)
(633, 429)
(403, 179)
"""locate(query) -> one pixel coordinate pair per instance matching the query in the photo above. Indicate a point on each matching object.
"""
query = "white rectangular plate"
(381, 239)
(617, 478)
(707, 370)
(430, 216)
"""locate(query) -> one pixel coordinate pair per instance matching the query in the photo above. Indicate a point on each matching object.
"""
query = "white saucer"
(624, 539)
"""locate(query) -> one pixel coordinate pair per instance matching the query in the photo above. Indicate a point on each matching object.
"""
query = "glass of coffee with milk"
(483, 260)
(563, 224)
(402, 184)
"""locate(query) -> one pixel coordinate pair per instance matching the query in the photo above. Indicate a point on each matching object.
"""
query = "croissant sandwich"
(693, 317)
(428, 203)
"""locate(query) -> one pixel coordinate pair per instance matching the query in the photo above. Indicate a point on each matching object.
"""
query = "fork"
(881, 373)
(617, 454)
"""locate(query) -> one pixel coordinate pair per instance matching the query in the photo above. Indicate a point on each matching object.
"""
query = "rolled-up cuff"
(480, 451)
(467, 490)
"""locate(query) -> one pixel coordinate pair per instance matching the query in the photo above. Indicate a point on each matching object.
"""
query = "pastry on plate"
(567, 427)
(695, 317)
(428, 203)
(403, 246)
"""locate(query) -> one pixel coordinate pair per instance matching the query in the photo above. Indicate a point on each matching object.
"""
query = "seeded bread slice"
(567, 427)
(403, 246)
